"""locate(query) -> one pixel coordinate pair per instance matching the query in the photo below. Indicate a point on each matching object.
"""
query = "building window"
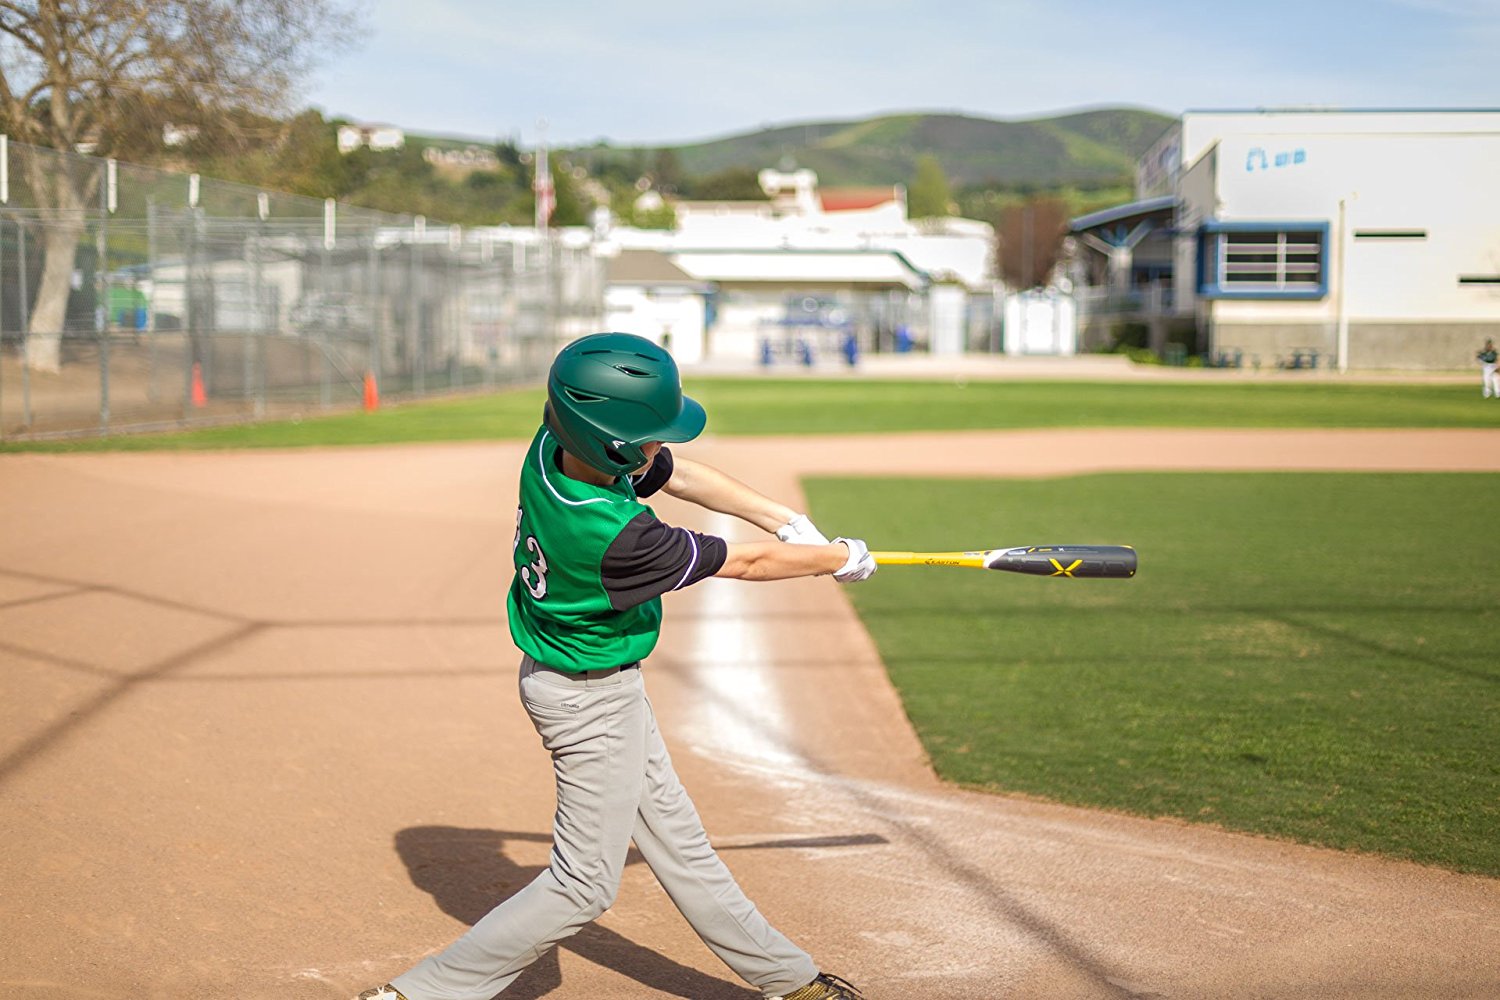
(1251, 260)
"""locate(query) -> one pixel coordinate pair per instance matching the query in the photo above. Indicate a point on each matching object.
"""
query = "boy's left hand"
(801, 531)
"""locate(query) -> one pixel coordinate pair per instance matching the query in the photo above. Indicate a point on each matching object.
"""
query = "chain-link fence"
(134, 298)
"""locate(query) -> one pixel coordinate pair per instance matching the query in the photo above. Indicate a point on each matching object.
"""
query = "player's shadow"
(467, 873)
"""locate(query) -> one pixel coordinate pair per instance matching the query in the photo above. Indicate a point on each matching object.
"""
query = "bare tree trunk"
(60, 247)
(62, 196)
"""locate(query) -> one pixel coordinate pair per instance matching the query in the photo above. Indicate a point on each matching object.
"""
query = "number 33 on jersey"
(534, 573)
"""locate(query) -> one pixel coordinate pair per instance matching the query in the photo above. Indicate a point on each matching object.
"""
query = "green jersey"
(592, 563)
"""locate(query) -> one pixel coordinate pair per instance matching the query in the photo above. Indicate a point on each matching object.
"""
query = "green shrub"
(1128, 335)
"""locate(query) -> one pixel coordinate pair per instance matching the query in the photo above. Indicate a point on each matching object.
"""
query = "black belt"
(588, 674)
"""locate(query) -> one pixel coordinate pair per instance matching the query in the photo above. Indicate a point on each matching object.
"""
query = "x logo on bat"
(1065, 570)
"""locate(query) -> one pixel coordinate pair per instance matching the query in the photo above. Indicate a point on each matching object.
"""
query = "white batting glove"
(801, 531)
(860, 566)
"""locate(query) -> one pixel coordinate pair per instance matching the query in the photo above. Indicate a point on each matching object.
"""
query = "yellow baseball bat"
(1110, 562)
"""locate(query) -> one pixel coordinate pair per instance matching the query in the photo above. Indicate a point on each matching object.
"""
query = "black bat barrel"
(1116, 562)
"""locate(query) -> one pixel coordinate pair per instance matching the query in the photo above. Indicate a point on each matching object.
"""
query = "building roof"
(884, 268)
(1332, 109)
(849, 199)
(645, 267)
(1120, 213)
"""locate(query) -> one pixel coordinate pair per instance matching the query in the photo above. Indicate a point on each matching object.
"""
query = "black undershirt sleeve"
(649, 558)
(654, 478)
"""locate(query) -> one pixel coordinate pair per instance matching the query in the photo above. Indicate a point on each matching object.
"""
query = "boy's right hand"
(860, 566)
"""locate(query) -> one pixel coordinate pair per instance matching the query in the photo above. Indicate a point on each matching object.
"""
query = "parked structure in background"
(1356, 239)
(371, 135)
(893, 283)
(1041, 321)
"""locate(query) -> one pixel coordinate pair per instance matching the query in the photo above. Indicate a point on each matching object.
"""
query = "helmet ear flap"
(609, 393)
(619, 457)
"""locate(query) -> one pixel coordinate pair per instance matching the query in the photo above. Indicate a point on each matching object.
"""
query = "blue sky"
(673, 71)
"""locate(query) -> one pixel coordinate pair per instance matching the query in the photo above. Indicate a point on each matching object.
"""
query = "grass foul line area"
(1303, 655)
(752, 406)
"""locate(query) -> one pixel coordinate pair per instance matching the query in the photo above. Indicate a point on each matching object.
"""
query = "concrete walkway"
(1091, 367)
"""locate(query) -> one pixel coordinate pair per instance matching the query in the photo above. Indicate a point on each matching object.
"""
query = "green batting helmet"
(610, 393)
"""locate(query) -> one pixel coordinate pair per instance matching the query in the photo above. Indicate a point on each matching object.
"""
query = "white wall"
(658, 313)
(1201, 129)
(1197, 200)
(947, 315)
(1445, 184)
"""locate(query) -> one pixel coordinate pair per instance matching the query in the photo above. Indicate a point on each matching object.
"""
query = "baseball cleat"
(386, 992)
(825, 987)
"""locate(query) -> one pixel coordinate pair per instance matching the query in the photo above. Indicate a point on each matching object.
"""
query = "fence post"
(414, 312)
(25, 328)
(492, 349)
(2, 309)
(252, 326)
(450, 304)
(255, 364)
(323, 341)
(101, 290)
(372, 298)
(262, 364)
(190, 318)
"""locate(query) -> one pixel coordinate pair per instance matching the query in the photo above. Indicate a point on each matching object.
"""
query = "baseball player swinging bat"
(1111, 562)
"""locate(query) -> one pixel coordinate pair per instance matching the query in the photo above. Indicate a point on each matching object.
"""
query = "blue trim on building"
(1263, 226)
(1214, 289)
(1265, 293)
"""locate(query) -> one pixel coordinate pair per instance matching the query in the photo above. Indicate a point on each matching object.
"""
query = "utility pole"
(542, 183)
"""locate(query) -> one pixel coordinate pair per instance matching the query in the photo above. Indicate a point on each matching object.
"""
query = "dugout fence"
(138, 298)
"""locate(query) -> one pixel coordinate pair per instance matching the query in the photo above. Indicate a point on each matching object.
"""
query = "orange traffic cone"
(200, 398)
(372, 392)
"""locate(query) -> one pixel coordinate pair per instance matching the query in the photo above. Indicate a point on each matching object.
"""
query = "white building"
(809, 268)
(647, 295)
(1364, 239)
(471, 157)
(376, 136)
(173, 136)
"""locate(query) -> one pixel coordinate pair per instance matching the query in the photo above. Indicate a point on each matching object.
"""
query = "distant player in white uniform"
(592, 562)
(1490, 381)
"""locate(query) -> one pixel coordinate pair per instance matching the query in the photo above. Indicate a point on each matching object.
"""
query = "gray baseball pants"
(615, 783)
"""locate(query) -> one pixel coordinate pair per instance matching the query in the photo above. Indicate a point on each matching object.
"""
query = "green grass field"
(795, 406)
(1311, 656)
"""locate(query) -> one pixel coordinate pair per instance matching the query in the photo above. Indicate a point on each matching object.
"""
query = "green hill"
(1083, 148)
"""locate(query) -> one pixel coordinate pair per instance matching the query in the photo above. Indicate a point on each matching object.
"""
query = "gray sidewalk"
(1100, 367)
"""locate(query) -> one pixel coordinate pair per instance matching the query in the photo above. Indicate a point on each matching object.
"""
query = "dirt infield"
(259, 739)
